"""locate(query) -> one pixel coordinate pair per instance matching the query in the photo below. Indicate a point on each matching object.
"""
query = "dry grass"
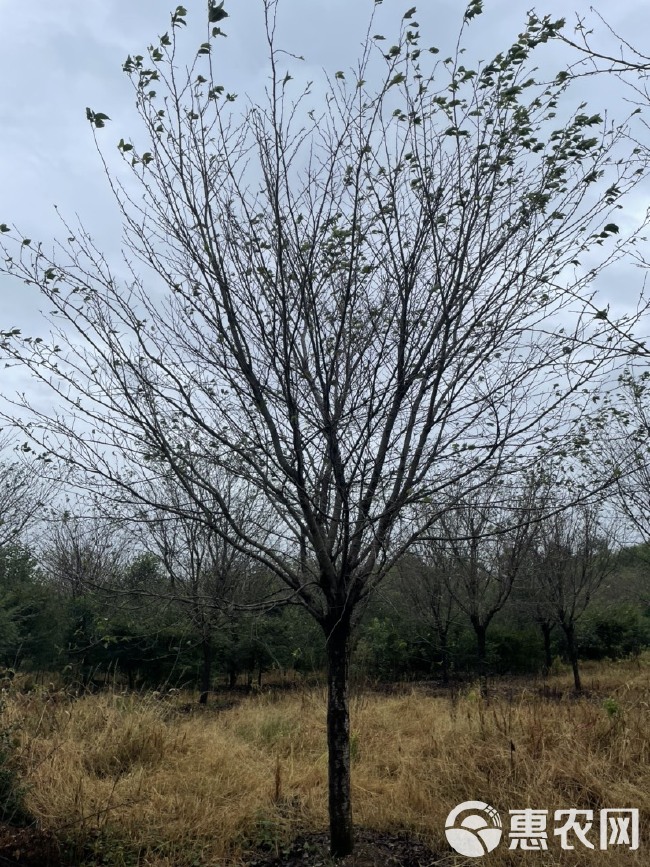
(159, 787)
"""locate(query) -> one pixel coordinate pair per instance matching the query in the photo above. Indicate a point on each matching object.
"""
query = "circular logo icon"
(473, 829)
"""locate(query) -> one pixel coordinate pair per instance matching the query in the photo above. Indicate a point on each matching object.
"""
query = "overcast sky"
(56, 58)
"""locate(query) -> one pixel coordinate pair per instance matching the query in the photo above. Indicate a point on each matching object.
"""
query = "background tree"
(528, 603)
(573, 555)
(352, 307)
(83, 553)
(621, 451)
(210, 579)
(25, 492)
(425, 578)
(483, 540)
(82, 559)
(33, 617)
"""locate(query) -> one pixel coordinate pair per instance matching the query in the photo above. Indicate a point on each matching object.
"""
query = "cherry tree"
(353, 304)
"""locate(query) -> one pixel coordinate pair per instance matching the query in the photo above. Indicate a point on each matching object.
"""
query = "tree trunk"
(206, 668)
(481, 651)
(338, 740)
(569, 631)
(546, 632)
(444, 656)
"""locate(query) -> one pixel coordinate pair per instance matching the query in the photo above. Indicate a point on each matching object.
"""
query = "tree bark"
(569, 631)
(338, 740)
(546, 633)
(206, 668)
(444, 656)
(481, 651)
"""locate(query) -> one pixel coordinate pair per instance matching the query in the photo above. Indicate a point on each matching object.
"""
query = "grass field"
(129, 779)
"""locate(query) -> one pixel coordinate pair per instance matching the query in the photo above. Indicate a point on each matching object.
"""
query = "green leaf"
(165, 40)
(339, 74)
(204, 49)
(397, 79)
(475, 8)
(178, 16)
(4, 227)
(96, 118)
(27, 242)
(611, 227)
(216, 13)
(410, 13)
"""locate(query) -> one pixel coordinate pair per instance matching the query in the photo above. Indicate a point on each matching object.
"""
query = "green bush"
(382, 651)
(11, 789)
(614, 634)
(514, 651)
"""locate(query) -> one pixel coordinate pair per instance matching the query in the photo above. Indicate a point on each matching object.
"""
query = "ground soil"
(30, 847)
(27, 847)
(372, 849)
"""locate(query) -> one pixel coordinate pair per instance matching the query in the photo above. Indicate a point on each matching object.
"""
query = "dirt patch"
(372, 849)
(27, 847)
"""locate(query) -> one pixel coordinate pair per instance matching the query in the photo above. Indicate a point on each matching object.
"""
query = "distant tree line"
(83, 605)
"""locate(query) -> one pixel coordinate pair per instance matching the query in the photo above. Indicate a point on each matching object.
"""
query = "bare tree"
(25, 494)
(483, 541)
(424, 582)
(622, 450)
(528, 599)
(352, 308)
(211, 580)
(83, 558)
(574, 553)
(82, 554)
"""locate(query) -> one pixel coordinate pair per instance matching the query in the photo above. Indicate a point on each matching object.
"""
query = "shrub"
(614, 634)
(11, 789)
